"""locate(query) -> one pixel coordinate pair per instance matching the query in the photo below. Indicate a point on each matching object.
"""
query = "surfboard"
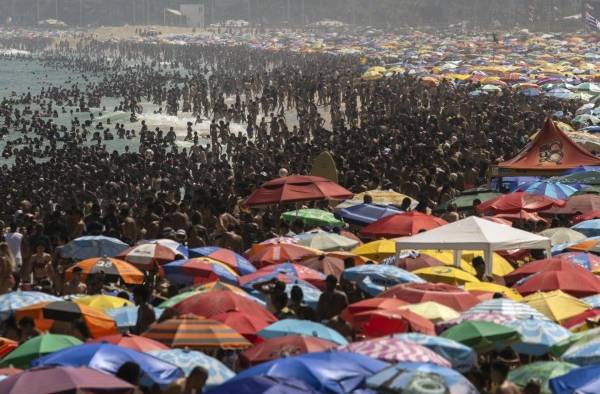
(324, 166)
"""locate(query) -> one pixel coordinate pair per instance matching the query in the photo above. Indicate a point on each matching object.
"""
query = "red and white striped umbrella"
(145, 256)
(396, 351)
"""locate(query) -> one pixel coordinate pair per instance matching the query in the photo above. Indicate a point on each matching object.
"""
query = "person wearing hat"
(181, 236)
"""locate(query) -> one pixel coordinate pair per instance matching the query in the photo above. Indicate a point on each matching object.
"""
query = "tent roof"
(474, 233)
(551, 150)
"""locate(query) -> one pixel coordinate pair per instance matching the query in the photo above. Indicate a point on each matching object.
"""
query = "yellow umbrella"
(384, 197)
(371, 76)
(494, 288)
(500, 266)
(449, 275)
(433, 311)
(376, 69)
(376, 250)
(557, 305)
(103, 302)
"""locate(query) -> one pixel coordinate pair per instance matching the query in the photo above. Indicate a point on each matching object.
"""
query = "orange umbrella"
(262, 255)
(7, 346)
(112, 268)
(328, 265)
(47, 314)
(189, 331)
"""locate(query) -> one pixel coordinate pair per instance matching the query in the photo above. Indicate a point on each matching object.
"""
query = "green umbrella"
(466, 198)
(579, 338)
(37, 347)
(543, 371)
(178, 298)
(313, 217)
(481, 335)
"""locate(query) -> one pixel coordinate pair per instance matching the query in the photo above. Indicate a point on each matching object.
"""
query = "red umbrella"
(591, 315)
(328, 265)
(145, 256)
(219, 301)
(401, 224)
(578, 283)
(371, 304)
(411, 263)
(553, 264)
(382, 323)
(451, 296)
(130, 341)
(244, 323)
(297, 188)
(288, 270)
(268, 254)
(584, 203)
(292, 345)
(518, 201)
(586, 216)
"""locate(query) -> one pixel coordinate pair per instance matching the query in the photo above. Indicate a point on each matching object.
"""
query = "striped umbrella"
(203, 288)
(93, 246)
(190, 331)
(537, 336)
(395, 350)
(244, 323)
(187, 360)
(289, 270)
(198, 271)
(237, 262)
(275, 253)
(175, 246)
(322, 240)
(14, 300)
(113, 269)
(510, 308)
(492, 317)
(130, 341)
(147, 256)
(555, 190)
(280, 347)
(583, 353)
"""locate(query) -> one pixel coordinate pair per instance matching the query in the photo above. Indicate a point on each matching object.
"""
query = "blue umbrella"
(585, 353)
(556, 190)
(109, 358)
(242, 265)
(126, 316)
(377, 278)
(592, 129)
(302, 327)
(537, 336)
(264, 385)
(463, 358)
(363, 214)
(187, 360)
(560, 93)
(593, 301)
(584, 380)
(10, 302)
(327, 372)
(402, 377)
(591, 228)
(93, 246)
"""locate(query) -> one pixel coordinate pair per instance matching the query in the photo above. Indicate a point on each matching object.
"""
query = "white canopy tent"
(474, 233)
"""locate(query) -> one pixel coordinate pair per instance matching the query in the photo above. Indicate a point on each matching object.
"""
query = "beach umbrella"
(199, 270)
(262, 255)
(36, 347)
(296, 188)
(380, 277)
(187, 360)
(466, 198)
(322, 240)
(509, 308)
(420, 378)
(326, 264)
(560, 235)
(263, 385)
(245, 323)
(289, 270)
(441, 293)
(482, 336)
(148, 256)
(580, 338)
(58, 379)
(237, 262)
(492, 288)
(583, 321)
(491, 88)
(585, 380)
(190, 331)
(328, 372)
(492, 317)
(9, 371)
(542, 371)
(590, 228)
(556, 305)
(591, 244)
(578, 283)
(463, 358)
(395, 350)
(370, 304)
(554, 190)
(518, 201)
(537, 336)
(130, 341)
(560, 93)
(449, 275)
(356, 259)
(593, 301)
(108, 358)
(401, 224)
(313, 217)
(91, 246)
(301, 327)
(589, 261)
(415, 261)
(126, 317)
(376, 250)
(432, 311)
(537, 266)
(46, 314)
(380, 323)
(380, 197)
(277, 241)
(363, 214)
(7, 346)
(203, 288)
(588, 87)
(586, 216)
(113, 269)
(286, 346)
(217, 302)
(586, 119)
(102, 302)
(500, 266)
(577, 204)
(176, 247)
(583, 352)
(10, 302)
